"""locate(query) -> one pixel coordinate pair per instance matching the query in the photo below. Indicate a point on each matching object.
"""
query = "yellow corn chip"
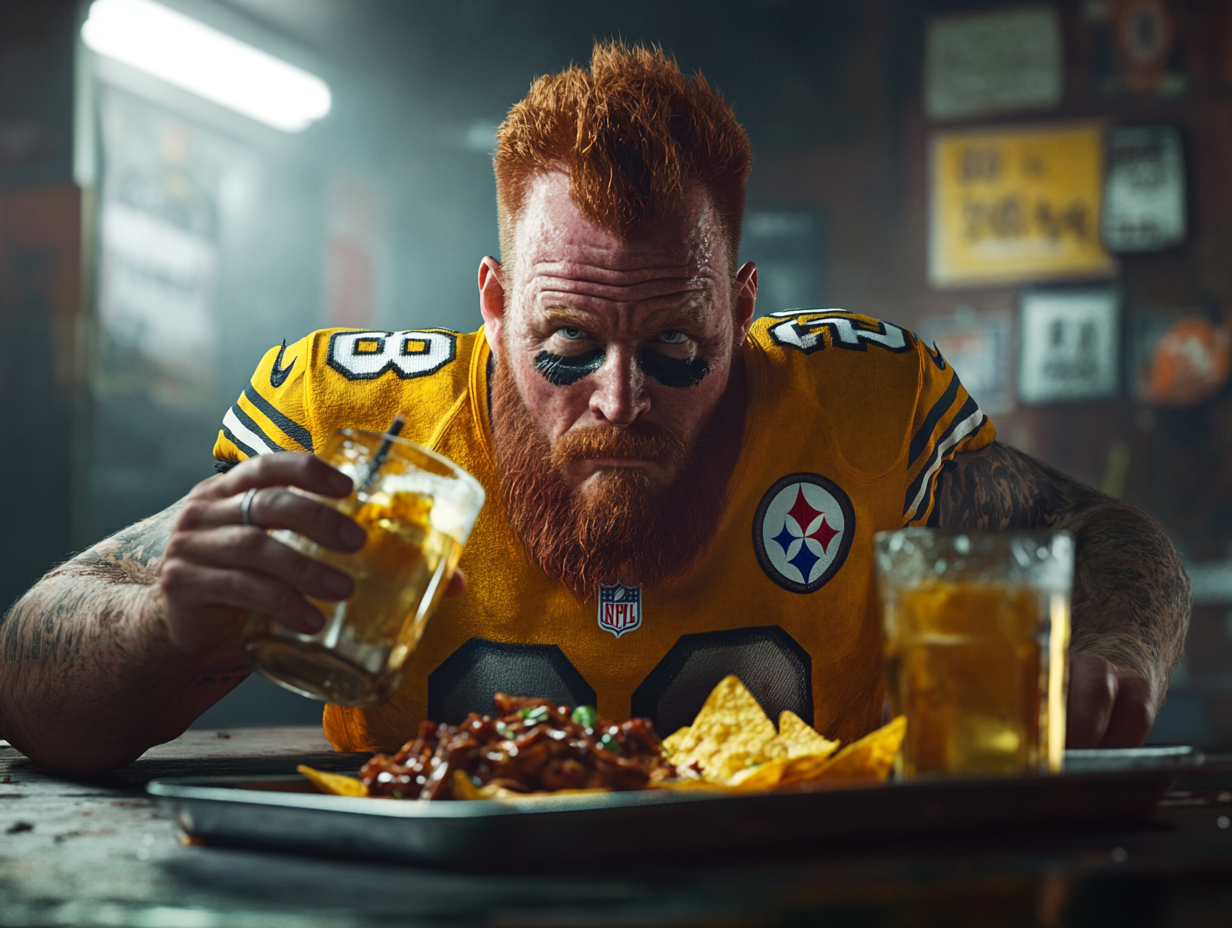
(334, 783)
(672, 742)
(796, 738)
(464, 788)
(728, 733)
(792, 756)
(763, 776)
(870, 758)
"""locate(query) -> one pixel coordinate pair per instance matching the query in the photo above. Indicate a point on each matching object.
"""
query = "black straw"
(382, 452)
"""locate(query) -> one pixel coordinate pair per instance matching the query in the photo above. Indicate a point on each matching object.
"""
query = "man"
(674, 493)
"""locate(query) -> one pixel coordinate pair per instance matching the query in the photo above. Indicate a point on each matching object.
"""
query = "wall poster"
(1017, 205)
(978, 347)
(1070, 345)
(1144, 194)
(992, 62)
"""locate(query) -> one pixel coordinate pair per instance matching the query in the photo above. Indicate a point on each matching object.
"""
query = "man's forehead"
(551, 230)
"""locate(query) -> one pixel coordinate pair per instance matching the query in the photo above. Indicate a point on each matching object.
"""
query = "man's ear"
(492, 300)
(746, 298)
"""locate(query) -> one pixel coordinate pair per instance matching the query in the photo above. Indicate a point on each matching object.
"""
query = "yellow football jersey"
(849, 422)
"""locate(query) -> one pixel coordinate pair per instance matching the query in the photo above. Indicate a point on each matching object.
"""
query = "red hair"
(633, 133)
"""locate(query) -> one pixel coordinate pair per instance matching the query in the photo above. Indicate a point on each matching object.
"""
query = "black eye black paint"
(563, 371)
(672, 372)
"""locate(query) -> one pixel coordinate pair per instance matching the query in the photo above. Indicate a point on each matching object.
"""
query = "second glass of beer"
(976, 637)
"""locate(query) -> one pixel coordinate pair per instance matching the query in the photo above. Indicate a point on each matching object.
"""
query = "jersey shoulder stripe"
(331, 378)
(964, 425)
(924, 433)
(862, 378)
(289, 427)
(245, 427)
(270, 414)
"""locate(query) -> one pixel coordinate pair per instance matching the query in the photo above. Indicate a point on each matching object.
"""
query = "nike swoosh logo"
(279, 374)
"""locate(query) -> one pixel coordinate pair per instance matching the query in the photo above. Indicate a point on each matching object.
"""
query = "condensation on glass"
(977, 630)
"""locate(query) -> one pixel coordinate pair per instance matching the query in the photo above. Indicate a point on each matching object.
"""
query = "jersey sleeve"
(271, 413)
(947, 421)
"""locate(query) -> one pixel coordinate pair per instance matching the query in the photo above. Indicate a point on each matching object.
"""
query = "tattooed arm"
(123, 646)
(86, 663)
(1131, 599)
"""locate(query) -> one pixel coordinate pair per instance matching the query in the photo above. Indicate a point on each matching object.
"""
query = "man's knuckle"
(203, 488)
(194, 511)
(178, 545)
(175, 574)
(1141, 716)
(250, 541)
(264, 467)
(1105, 697)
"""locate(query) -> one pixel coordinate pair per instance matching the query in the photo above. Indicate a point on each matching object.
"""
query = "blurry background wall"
(209, 238)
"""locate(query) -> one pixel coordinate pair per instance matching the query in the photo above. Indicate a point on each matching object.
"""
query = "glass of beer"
(417, 508)
(976, 636)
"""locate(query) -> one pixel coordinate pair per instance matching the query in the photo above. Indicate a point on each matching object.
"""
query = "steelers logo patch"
(802, 531)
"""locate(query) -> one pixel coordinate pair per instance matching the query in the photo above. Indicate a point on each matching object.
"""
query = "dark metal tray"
(286, 813)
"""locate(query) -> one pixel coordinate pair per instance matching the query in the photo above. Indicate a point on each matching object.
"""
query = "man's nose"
(620, 390)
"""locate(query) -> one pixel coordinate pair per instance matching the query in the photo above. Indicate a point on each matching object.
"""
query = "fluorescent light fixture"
(189, 54)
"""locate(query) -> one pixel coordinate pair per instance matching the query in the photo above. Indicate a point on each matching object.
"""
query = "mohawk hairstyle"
(633, 133)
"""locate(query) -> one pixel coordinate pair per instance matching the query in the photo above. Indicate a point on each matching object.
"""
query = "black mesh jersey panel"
(467, 680)
(777, 671)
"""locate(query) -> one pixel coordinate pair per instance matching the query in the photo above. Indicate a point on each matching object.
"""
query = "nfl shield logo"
(620, 608)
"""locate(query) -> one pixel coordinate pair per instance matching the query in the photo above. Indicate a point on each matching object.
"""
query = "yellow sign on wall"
(1017, 205)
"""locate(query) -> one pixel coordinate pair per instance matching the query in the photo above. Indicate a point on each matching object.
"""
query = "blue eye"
(673, 337)
(572, 333)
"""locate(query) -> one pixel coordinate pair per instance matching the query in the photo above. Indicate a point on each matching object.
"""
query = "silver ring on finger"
(246, 506)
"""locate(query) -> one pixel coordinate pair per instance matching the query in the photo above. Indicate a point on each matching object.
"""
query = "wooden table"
(85, 851)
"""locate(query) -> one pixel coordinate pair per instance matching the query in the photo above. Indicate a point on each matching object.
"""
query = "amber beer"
(417, 510)
(976, 634)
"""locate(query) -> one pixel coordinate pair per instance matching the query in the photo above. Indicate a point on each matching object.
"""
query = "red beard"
(626, 528)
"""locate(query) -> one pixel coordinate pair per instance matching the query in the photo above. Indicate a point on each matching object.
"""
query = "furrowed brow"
(678, 317)
(566, 316)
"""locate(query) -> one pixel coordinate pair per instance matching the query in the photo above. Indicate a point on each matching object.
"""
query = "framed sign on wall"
(1144, 194)
(993, 61)
(978, 346)
(1017, 205)
(1070, 345)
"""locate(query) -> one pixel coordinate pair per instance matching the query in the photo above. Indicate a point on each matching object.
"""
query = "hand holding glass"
(417, 509)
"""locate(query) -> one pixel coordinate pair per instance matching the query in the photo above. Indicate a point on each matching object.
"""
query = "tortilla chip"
(465, 789)
(763, 776)
(871, 758)
(796, 738)
(728, 733)
(334, 783)
(672, 742)
(792, 756)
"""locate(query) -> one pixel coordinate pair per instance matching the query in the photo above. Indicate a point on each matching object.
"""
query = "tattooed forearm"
(88, 675)
(1131, 599)
(52, 622)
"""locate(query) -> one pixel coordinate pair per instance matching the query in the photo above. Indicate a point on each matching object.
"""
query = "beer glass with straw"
(417, 508)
